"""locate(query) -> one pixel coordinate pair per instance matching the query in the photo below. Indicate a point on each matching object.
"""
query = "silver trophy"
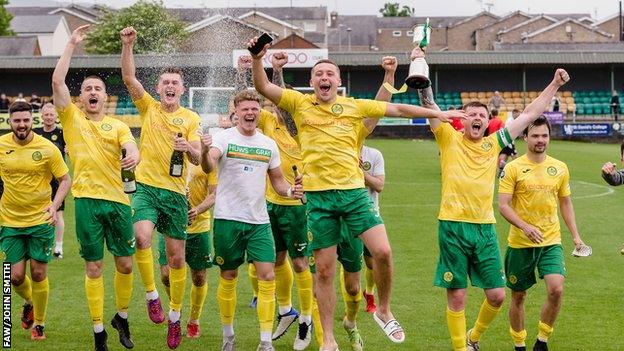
(418, 77)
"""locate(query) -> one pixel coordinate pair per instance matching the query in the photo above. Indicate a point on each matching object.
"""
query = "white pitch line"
(608, 191)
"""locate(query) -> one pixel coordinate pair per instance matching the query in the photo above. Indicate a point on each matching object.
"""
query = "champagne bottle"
(304, 199)
(127, 177)
(177, 162)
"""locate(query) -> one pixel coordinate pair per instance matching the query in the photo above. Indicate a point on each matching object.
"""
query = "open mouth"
(476, 126)
(170, 94)
(325, 87)
(93, 102)
(248, 118)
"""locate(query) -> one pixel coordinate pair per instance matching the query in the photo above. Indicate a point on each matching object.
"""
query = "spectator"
(20, 97)
(615, 105)
(495, 123)
(35, 101)
(555, 103)
(496, 101)
(4, 103)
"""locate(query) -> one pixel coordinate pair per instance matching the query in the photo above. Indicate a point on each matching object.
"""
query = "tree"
(393, 9)
(157, 30)
(5, 19)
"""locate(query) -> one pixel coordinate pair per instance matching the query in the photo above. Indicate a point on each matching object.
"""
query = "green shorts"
(468, 250)
(198, 253)
(349, 252)
(290, 232)
(102, 220)
(520, 265)
(326, 210)
(167, 209)
(34, 242)
(233, 239)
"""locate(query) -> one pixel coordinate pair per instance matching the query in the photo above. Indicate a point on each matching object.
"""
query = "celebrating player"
(160, 200)
(103, 212)
(201, 195)
(28, 162)
(242, 227)
(328, 127)
(466, 234)
(529, 190)
(50, 131)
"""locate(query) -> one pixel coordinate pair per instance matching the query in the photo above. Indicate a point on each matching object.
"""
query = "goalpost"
(213, 102)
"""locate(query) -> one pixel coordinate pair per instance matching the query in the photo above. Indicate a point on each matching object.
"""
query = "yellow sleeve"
(57, 164)
(143, 104)
(564, 187)
(212, 177)
(507, 182)
(123, 133)
(263, 121)
(371, 108)
(194, 134)
(443, 135)
(66, 116)
(290, 100)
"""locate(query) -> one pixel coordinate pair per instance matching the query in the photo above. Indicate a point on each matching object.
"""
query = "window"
(309, 27)
(396, 33)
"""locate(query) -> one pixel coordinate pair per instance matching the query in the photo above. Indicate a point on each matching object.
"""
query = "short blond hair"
(246, 95)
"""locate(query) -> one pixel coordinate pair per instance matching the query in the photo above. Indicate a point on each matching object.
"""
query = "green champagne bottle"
(127, 177)
(177, 162)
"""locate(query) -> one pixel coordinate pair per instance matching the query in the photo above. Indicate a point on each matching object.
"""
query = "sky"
(596, 8)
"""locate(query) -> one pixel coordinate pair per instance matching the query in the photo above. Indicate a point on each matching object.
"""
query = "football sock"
(94, 288)
(226, 297)
(304, 290)
(544, 331)
(123, 290)
(177, 282)
(486, 316)
(456, 322)
(198, 296)
(370, 281)
(253, 278)
(518, 337)
(25, 289)
(40, 291)
(145, 262)
(266, 305)
(283, 286)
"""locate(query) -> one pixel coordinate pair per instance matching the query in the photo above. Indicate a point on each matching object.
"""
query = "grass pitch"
(589, 318)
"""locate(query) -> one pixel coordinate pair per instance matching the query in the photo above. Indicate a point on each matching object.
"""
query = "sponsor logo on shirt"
(178, 121)
(486, 145)
(337, 109)
(552, 171)
(249, 153)
(106, 127)
(36, 156)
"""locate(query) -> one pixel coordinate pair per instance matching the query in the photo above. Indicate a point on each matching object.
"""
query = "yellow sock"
(370, 281)
(177, 284)
(95, 298)
(304, 289)
(518, 337)
(226, 296)
(253, 278)
(145, 262)
(40, 291)
(266, 304)
(543, 333)
(316, 320)
(123, 290)
(486, 316)
(352, 302)
(25, 289)
(456, 322)
(198, 296)
(283, 285)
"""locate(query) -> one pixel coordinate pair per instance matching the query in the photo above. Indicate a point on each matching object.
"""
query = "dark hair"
(93, 76)
(540, 121)
(20, 106)
(494, 113)
(515, 110)
(246, 95)
(476, 104)
(326, 61)
(173, 70)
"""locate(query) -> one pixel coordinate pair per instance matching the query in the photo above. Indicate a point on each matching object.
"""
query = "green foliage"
(5, 19)
(158, 31)
(393, 9)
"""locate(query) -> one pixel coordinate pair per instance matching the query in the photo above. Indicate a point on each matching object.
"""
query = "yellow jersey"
(330, 138)
(158, 129)
(95, 151)
(290, 155)
(198, 190)
(536, 189)
(27, 171)
(468, 174)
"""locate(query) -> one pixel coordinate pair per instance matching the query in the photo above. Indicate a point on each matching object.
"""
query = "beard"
(23, 134)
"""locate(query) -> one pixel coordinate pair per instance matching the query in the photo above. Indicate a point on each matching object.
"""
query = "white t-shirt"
(374, 165)
(242, 173)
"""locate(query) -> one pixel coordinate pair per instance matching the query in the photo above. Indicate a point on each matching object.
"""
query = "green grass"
(589, 320)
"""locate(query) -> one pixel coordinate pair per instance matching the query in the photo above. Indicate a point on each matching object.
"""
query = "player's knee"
(382, 254)
(198, 277)
(164, 279)
(38, 274)
(555, 293)
(124, 266)
(324, 273)
(352, 288)
(497, 297)
(94, 269)
(176, 260)
(266, 275)
(518, 297)
(300, 264)
(17, 279)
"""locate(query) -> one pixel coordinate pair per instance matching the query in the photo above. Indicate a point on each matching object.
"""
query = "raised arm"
(243, 71)
(411, 111)
(539, 105)
(260, 79)
(567, 212)
(60, 91)
(278, 60)
(209, 155)
(389, 64)
(128, 69)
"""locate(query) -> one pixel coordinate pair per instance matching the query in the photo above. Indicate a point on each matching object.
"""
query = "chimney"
(333, 19)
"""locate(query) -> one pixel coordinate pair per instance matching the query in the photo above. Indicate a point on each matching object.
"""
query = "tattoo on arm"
(242, 79)
(426, 96)
(278, 78)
